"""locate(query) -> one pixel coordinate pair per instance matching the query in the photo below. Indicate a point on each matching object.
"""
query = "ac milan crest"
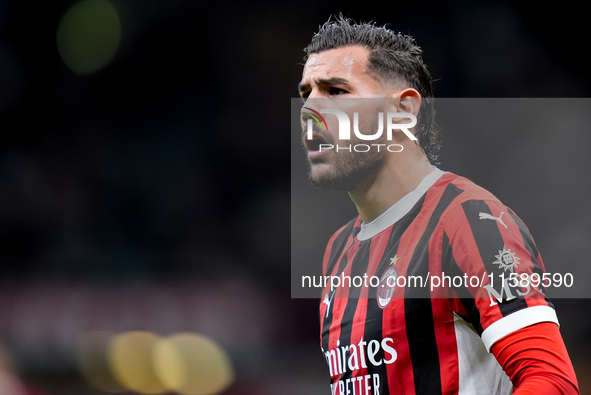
(386, 287)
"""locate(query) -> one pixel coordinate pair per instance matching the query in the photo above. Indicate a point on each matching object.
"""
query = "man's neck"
(392, 183)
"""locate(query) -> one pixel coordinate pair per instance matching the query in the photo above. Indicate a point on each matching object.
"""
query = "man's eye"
(304, 95)
(337, 91)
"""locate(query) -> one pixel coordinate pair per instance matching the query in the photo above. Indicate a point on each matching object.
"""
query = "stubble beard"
(349, 171)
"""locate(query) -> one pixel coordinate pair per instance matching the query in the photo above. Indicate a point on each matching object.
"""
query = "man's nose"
(310, 106)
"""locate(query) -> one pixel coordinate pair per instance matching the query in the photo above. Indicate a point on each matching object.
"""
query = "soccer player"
(472, 327)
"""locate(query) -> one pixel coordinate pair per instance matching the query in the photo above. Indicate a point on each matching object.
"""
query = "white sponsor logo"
(358, 356)
(507, 259)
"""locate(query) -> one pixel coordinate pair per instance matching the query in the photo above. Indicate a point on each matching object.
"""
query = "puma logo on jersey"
(488, 216)
(328, 301)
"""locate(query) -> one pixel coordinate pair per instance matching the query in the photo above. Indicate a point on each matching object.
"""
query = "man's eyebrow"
(333, 81)
(324, 81)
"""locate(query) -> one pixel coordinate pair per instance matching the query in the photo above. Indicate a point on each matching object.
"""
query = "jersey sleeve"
(536, 361)
(491, 248)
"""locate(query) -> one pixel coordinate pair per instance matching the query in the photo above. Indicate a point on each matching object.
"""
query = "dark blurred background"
(147, 188)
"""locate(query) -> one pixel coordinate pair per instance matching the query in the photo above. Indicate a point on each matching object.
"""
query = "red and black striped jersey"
(438, 273)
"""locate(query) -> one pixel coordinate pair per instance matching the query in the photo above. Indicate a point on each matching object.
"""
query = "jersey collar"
(399, 209)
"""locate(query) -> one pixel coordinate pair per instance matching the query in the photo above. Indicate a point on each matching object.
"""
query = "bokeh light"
(130, 357)
(93, 363)
(185, 363)
(88, 36)
(192, 364)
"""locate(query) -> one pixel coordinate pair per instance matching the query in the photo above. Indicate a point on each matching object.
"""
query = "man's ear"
(410, 101)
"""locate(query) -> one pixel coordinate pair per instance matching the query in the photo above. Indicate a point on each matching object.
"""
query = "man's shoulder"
(473, 204)
(339, 240)
(351, 227)
(462, 197)
(463, 189)
(469, 189)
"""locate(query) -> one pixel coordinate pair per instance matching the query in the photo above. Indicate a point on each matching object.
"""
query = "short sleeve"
(491, 248)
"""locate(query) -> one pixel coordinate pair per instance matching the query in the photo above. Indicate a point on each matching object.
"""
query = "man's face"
(328, 76)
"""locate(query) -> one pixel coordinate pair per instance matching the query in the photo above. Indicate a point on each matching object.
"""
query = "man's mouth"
(314, 146)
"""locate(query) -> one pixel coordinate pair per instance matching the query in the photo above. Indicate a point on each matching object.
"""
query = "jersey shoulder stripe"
(336, 245)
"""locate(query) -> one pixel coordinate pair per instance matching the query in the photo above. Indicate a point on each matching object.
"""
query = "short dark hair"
(394, 57)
